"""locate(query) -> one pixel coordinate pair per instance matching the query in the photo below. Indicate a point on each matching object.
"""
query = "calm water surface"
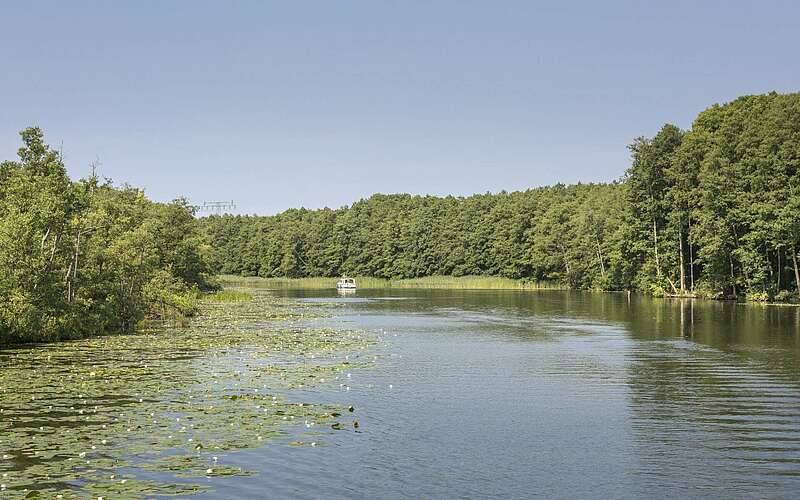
(556, 394)
(520, 394)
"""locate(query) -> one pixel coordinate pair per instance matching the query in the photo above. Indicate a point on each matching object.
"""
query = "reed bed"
(366, 282)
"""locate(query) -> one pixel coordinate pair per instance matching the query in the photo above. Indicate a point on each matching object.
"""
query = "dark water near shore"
(557, 394)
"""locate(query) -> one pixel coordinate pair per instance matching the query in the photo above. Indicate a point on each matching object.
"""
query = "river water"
(467, 394)
(559, 394)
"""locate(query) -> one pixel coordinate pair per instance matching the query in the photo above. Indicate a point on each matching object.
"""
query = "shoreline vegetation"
(709, 212)
(367, 282)
(83, 258)
(440, 283)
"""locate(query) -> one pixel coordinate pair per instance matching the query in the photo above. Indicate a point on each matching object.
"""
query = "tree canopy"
(711, 211)
(82, 258)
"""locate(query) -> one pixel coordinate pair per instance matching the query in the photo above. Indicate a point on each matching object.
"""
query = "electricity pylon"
(215, 207)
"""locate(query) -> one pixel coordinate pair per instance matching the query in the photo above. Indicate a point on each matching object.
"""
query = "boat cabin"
(346, 284)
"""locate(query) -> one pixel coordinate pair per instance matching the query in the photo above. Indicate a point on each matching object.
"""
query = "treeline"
(83, 258)
(551, 233)
(712, 211)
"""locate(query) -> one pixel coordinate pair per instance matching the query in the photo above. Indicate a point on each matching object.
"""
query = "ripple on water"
(713, 411)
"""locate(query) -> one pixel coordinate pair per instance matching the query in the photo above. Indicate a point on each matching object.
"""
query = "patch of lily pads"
(101, 417)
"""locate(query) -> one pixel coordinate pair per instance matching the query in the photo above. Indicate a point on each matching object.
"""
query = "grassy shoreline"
(366, 282)
(443, 283)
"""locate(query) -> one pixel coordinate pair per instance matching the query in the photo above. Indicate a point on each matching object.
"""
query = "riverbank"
(438, 282)
(456, 283)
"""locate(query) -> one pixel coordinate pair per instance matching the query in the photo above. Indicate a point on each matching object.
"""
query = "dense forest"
(83, 258)
(712, 211)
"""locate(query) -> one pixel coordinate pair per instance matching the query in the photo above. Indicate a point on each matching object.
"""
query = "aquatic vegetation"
(107, 415)
(228, 295)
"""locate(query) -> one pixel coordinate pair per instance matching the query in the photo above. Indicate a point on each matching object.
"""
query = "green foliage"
(84, 258)
(549, 234)
(708, 212)
(715, 205)
(757, 297)
(169, 297)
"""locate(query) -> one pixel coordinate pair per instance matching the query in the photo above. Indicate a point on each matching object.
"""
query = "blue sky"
(287, 104)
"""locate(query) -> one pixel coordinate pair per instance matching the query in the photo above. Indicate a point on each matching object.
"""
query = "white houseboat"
(346, 284)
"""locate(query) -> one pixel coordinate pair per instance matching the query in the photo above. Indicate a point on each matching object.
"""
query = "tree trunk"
(744, 268)
(600, 256)
(796, 270)
(691, 257)
(44, 238)
(655, 249)
(683, 271)
(564, 257)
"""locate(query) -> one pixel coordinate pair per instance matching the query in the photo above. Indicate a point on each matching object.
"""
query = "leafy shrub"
(168, 297)
(757, 297)
(704, 291)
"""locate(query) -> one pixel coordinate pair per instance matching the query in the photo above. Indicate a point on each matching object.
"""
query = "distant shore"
(443, 282)
(454, 283)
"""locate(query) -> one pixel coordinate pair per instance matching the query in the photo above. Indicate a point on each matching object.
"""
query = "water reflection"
(680, 397)
(720, 397)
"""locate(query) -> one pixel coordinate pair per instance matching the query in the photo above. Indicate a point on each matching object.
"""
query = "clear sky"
(287, 104)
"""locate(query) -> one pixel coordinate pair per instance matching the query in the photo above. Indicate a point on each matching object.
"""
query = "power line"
(215, 207)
